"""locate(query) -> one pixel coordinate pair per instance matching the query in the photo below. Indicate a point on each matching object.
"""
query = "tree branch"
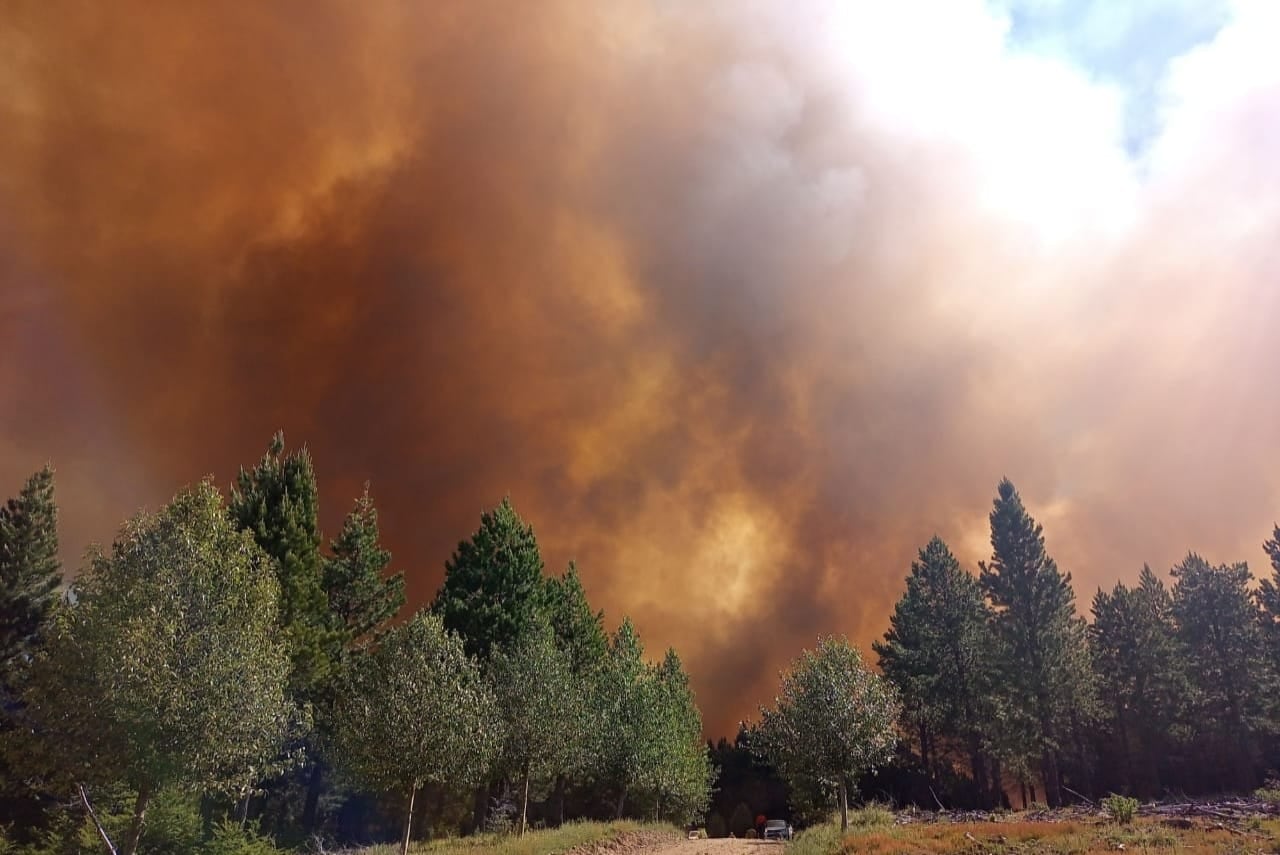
(102, 832)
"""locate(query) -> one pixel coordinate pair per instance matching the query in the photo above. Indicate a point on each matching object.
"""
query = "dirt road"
(722, 846)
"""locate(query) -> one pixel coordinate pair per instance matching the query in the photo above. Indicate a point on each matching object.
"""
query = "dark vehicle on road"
(777, 829)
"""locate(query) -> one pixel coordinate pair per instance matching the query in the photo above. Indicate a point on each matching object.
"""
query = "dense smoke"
(740, 302)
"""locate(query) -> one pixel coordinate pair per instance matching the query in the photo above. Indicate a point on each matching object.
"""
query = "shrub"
(1122, 808)
(870, 815)
(230, 839)
(1269, 793)
(751, 834)
(716, 826)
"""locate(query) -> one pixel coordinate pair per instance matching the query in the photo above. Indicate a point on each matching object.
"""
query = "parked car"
(777, 829)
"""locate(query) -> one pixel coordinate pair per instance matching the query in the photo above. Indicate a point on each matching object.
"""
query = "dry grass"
(554, 841)
(1054, 838)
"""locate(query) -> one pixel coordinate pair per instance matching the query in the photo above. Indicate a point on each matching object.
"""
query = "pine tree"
(1043, 677)
(361, 595)
(277, 501)
(1138, 663)
(493, 586)
(1218, 625)
(1269, 599)
(579, 631)
(30, 573)
(937, 653)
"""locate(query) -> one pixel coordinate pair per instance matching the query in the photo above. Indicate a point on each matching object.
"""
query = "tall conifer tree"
(277, 501)
(937, 653)
(1218, 624)
(30, 572)
(493, 586)
(1138, 662)
(1042, 669)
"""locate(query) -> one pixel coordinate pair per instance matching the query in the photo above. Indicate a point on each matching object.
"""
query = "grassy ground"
(554, 841)
(874, 835)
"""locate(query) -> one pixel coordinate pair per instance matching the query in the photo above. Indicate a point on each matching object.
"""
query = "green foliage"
(415, 711)
(649, 741)
(1218, 626)
(230, 839)
(493, 586)
(168, 670)
(361, 596)
(1121, 808)
(29, 573)
(579, 630)
(937, 652)
(1043, 676)
(544, 710)
(1138, 661)
(1270, 794)
(833, 721)
(278, 503)
(822, 839)
(872, 814)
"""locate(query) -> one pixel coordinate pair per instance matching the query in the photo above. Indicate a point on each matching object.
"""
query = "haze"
(741, 302)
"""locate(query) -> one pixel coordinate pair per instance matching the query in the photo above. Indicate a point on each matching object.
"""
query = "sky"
(741, 302)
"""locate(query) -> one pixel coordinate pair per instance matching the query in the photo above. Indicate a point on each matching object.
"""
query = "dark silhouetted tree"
(1138, 663)
(29, 573)
(937, 653)
(1218, 625)
(1043, 678)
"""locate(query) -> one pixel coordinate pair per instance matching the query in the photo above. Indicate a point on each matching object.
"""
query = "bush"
(1122, 808)
(1269, 793)
(230, 839)
(716, 826)
(870, 815)
(751, 834)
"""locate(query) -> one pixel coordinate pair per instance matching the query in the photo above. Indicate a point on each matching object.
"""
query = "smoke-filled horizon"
(740, 302)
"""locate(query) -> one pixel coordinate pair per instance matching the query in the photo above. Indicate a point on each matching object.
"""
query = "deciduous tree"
(833, 720)
(415, 711)
(167, 668)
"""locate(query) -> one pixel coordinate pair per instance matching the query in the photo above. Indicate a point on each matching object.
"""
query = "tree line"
(1171, 688)
(219, 681)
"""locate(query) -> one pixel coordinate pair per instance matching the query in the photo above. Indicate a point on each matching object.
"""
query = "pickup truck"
(777, 829)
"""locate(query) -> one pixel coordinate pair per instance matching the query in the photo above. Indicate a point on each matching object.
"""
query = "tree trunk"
(242, 810)
(997, 783)
(139, 816)
(408, 822)
(978, 771)
(481, 807)
(524, 804)
(622, 800)
(311, 808)
(844, 807)
(1052, 787)
(559, 798)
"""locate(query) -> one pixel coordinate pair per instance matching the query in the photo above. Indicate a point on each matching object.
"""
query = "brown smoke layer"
(717, 292)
